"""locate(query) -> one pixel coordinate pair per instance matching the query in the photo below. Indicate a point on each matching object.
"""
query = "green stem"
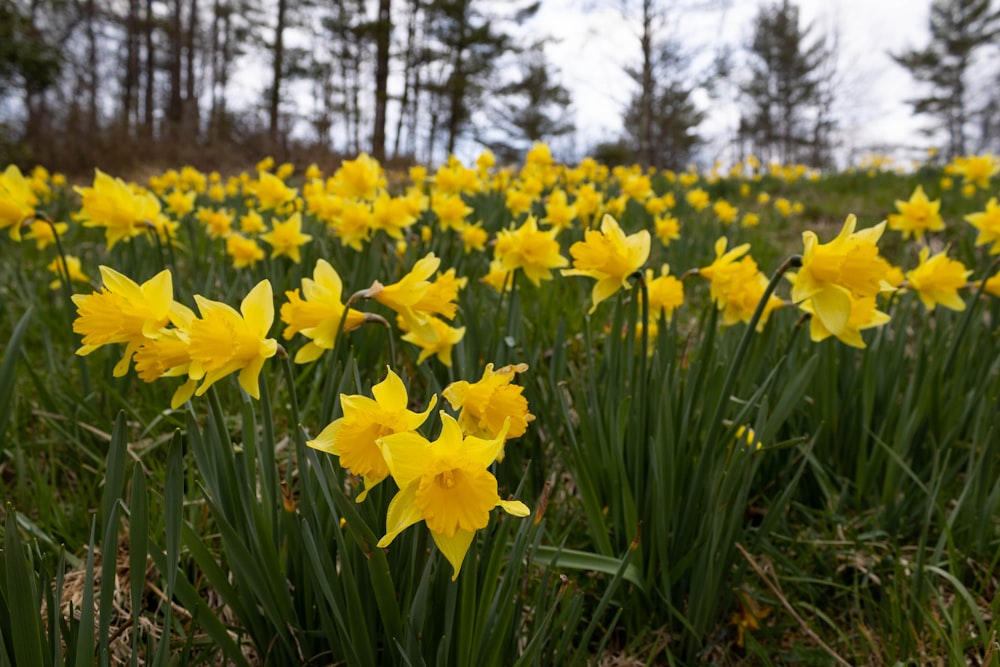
(67, 292)
(716, 423)
(968, 318)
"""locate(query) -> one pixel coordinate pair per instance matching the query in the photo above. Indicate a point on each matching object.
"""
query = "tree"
(534, 107)
(464, 47)
(959, 28)
(661, 120)
(784, 98)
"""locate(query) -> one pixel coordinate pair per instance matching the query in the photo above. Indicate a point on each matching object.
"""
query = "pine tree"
(534, 107)
(959, 28)
(661, 119)
(784, 97)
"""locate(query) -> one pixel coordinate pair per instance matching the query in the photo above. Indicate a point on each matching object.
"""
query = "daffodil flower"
(832, 273)
(608, 256)
(224, 341)
(354, 436)
(937, 280)
(485, 405)
(123, 312)
(446, 484)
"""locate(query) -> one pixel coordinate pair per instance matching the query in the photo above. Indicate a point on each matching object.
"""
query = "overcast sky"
(595, 39)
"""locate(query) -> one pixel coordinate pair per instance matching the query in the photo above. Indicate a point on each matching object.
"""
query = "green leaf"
(7, 370)
(26, 632)
(588, 562)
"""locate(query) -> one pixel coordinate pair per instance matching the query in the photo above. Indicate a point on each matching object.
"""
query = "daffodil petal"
(454, 548)
(402, 513)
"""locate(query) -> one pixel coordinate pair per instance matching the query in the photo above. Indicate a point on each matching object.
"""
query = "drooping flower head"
(123, 312)
(440, 341)
(726, 269)
(486, 405)
(354, 436)
(17, 201)
(937, 280)
(864, 315)
(169, 355)
(608, 256)
(319, 314)
(988, 224)
(446, 484)
(832, 273)
(666, 293)
(224, 341)
(111, 203)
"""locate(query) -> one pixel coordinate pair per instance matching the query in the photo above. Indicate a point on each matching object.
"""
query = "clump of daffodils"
(445, 483)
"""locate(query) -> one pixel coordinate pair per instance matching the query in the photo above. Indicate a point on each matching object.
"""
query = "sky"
(594, 40)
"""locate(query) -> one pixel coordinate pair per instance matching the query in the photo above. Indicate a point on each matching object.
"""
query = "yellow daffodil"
(224, 341)
(722, 272)
(744, 293)
(44, 233)
(559, 212)
(535, 252)
(832, 273)
(180, 203)
(518, 201)
(286, 238)
(666, 294)
(474, 238)
(697, 199)
(72, 268)
(992, 284)
(392, 215)
(111, 203)
(318, 316)
(451, 210)
(864, 315)
(937, 279)
(447, 485)
(608, 256)
(354, 223)
(354, 436)
(169, 355)
(916, 216)
(724, 211)
(667, 229)
(244, 252)
(988, 224)
(404, 295)
(17, 201)
(439, 299)
(360, 178)
(436, 338)
(123, 312)
(486, 405)
(218, 222)
(976, 170)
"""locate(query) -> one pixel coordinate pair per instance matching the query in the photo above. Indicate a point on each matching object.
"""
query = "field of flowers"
(541, 415)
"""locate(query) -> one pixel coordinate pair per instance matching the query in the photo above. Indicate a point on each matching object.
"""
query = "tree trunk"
(277, 71)
(383, 31)
(149, 101)
(175, 103)
(646, 93)
(92, 66)
(130, 84)
(408, 70)
(190, 94)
